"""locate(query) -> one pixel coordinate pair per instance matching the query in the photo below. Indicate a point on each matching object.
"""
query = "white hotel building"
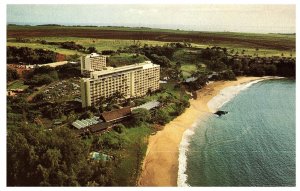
(132, 81)
(92, 62)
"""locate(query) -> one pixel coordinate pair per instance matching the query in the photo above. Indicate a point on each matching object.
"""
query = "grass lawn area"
(186, 74)
(126, 173)
(250, 49)
(17, 84)
(187, 69)
(125, 59)
(167, 89)
(263, 52)
(183, 56)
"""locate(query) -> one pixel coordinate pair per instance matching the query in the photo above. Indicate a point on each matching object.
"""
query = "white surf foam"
(183, 148)
(227, 94)
(214, 104)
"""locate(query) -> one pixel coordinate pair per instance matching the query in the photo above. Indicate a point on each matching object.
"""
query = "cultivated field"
(281, 42)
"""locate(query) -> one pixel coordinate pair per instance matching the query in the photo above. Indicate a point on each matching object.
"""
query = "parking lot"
(62, 90)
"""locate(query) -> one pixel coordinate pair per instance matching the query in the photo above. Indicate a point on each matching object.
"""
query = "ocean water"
(252, 145)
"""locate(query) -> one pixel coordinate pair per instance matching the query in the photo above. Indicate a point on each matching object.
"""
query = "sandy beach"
(160, 166)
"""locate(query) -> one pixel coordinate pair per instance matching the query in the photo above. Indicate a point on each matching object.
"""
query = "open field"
(115, 44)
(187, 70)
(99, 44)
(273, 41)
(44, 46)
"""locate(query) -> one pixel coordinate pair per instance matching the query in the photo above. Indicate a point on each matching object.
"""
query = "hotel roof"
(111, 70)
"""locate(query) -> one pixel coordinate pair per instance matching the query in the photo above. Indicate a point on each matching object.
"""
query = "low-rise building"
(116, 115)
(79, 124)
(149, 105)
(98, 156)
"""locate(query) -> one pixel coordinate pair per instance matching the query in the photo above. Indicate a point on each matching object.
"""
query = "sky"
(236, 18)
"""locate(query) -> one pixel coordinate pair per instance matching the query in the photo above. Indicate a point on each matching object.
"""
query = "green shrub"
(119, 128)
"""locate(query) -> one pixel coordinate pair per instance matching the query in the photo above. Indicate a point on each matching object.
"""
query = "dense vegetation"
(68, 71)
(41, 75)
(219, 60)
(12, 74)
(46, 74)
(30, 56)
(52, 158)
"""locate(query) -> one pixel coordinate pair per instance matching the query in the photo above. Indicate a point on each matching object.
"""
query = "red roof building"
(116, 115)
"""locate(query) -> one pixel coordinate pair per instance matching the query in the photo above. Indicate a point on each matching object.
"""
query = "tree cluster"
(72, 46)
(41, 75)
(30, 56)
(199, 82)
(219, 60)
(12, 74)
(140, 116)
(39, 157)
(224, 75)
(68, 71)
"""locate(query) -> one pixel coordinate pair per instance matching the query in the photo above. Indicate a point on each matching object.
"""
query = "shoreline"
(161, 164)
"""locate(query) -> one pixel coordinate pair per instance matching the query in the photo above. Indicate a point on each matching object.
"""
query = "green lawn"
(261, 52)
(18, 84)
(183, 56)
(167, 89)
(187, 70)
(126, 174)
(123, 59)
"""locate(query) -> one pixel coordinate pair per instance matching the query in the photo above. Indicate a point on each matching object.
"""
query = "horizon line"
(128, 26)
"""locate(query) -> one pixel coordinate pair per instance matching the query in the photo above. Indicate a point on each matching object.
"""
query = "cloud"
(243, 18)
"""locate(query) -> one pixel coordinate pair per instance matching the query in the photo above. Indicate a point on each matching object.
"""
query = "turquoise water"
(252, 145)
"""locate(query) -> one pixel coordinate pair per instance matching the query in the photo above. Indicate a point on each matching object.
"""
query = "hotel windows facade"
(132, 81)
